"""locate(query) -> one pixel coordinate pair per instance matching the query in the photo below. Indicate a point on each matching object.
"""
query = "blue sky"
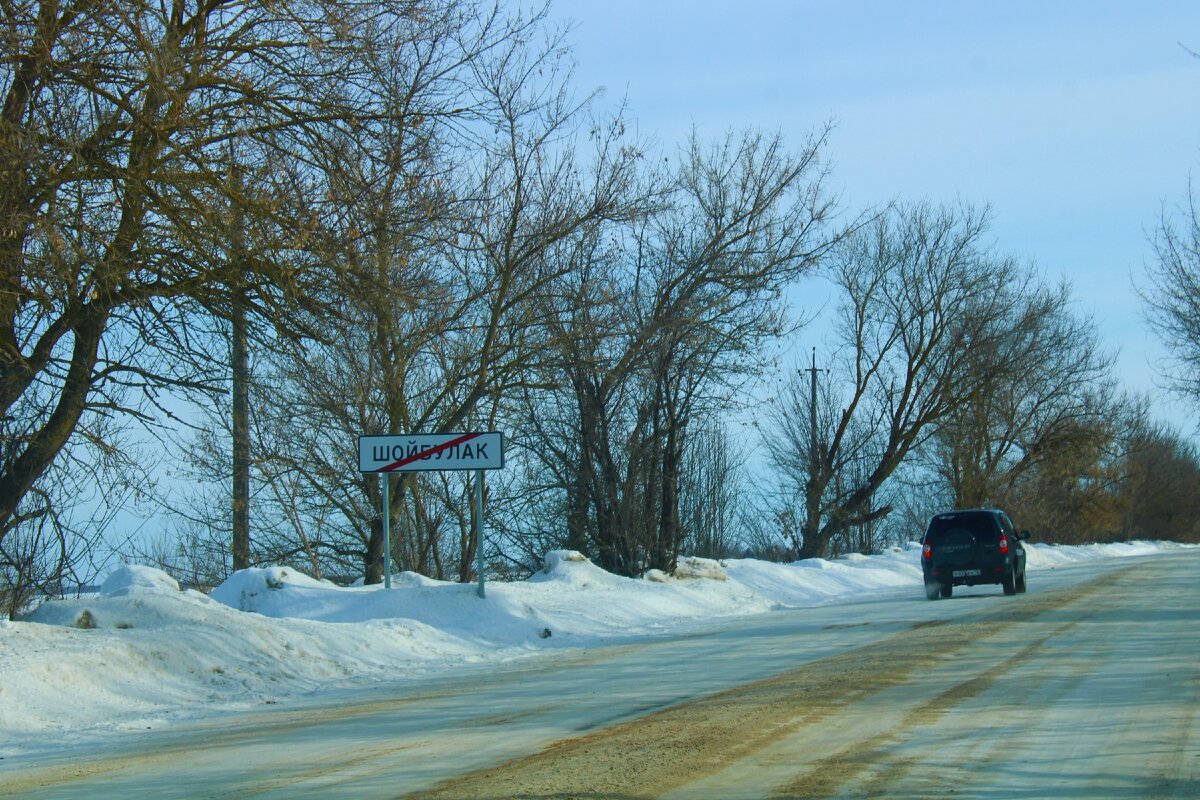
(1078, 122)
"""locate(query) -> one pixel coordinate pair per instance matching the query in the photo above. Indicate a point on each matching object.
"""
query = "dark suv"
(972, 547)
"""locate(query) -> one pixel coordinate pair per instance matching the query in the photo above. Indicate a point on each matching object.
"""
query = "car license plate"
(966, 573)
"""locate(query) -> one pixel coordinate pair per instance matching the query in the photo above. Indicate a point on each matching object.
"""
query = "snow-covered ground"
(141, 654)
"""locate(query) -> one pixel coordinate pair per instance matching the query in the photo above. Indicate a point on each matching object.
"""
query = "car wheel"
(1021, 583)
(1010, 582)
(933, 590)
(947, 589)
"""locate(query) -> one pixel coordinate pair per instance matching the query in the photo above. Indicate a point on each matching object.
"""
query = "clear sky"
(1078, 122)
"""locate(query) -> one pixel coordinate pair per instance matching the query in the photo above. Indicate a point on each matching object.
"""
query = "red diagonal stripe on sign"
(430, 452)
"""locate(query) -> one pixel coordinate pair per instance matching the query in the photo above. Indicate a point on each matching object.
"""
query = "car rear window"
(979, 525)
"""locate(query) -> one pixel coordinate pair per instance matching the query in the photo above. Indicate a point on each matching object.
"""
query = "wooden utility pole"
(240, 544)
(814, 441)
(814, 460)
(812, 487)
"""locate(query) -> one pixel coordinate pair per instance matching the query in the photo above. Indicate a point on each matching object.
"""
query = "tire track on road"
(669, 749)
(875, 754)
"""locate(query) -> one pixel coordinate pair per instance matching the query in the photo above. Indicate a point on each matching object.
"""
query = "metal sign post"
(387, 531)
(479, 529)
(423, 452)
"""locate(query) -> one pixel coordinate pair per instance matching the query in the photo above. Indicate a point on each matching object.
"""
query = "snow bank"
(1049, 556)
(134, 578)
(143, 654)
(140, 655)
(814, 581)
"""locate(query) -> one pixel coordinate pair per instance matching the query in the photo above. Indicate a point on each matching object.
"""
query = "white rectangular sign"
(423, 452)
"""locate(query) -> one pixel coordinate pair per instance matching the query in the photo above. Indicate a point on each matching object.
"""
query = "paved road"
(1086, 687)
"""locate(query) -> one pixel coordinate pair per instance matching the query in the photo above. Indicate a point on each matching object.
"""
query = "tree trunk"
(19, 476)
(812, 541)
(577, 505)
(373, 557)
(669, 538)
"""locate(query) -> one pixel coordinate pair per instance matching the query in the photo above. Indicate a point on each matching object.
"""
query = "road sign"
(424, 452)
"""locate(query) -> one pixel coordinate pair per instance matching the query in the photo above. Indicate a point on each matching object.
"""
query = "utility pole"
(812, 487)
(240, 544)
(814, 446)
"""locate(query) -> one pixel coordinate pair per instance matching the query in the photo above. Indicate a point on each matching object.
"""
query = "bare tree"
(1073, 494)
(800, 432)
(451, 215)
(1172, 299)
(658, 328)
(1160, 486)
(1063, 399)
(710, 485)
(928, 317)
(195, 554)
(113, 172)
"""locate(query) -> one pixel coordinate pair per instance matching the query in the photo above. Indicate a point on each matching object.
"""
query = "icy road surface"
(1087, 686)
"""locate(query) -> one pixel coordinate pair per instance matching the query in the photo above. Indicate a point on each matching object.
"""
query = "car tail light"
(927, 551)
(1003, 544)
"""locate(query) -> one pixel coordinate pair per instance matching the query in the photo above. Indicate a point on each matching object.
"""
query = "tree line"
(236, 236)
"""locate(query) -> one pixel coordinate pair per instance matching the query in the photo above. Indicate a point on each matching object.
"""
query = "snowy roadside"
(141, 654)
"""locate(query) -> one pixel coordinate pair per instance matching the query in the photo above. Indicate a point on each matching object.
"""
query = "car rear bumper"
(967, 576)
